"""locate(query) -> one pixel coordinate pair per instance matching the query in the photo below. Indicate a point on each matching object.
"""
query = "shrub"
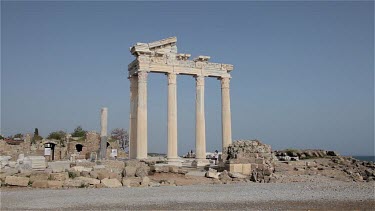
(79, 132)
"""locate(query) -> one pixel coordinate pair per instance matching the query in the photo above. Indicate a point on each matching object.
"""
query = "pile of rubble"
(250, 158)
(296, 154)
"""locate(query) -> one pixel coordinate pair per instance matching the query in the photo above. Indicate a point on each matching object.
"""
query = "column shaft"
(200, 125)
(225, 113)
(142, 116)
(172, 117)
(103, 133)
(133, 117)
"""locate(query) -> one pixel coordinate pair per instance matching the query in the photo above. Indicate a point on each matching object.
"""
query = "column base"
(200, 163)
(174, 161)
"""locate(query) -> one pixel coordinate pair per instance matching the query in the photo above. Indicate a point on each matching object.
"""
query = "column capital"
(142, 76)
(172, 78)
(225, 82)
(199, 80)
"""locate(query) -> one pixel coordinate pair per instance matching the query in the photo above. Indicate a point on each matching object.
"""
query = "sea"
(365, 158)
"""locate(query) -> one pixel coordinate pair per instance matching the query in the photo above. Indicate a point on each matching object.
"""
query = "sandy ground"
(336, 195)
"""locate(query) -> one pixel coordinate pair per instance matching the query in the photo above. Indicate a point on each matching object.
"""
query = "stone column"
(172, 120)
(133, 117)
(142, 115)
(226, 122)
(103, 133)
(200, 125)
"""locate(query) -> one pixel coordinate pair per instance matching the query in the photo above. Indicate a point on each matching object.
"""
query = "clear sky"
(303, 76)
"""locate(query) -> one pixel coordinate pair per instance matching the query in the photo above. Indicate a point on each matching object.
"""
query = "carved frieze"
(211, 65)
(159, 59)
(144, 59)
(200, 64)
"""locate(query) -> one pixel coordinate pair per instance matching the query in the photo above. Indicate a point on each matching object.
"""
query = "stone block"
(173, 169)
(237, 175)
(212, 174)
(59, 176)
(39, 176)
(40, 184)
(59, 166)
(17, 181)
(114, 175)
(94, 174)
(233, 167)
(103, 173)
(131, 182)
(111, 183)
(246, 168)
(71, 183)
(55, 184)
(90, 181)
(145, 182)
(129, 171)
(38, 162)
(142, 171)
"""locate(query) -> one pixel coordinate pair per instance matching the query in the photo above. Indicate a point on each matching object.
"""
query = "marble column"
(200, 125)
(103, 133)
(172, 155)
(226, 122)
(133, 117)
(142, 116)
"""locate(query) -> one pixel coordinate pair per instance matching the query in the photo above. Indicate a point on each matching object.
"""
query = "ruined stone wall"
(15, 150)
(250, 157)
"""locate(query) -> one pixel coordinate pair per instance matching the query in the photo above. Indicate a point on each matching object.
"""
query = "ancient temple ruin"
(162, 57)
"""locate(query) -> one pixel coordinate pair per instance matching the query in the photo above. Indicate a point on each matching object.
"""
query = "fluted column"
(200, 125)
(226, 122)
(142, 116)
(133, 117)
(172, 118)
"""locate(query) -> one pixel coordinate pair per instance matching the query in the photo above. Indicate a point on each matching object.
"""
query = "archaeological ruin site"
(95, 161)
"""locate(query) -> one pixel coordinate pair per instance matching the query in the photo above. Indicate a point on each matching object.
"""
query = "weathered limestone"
(133, 117)
(172, 156)
(200, 123)
(225, 112)
(162, 57)
(103, 133)
(111, 183)
(142, 116)
(17, 181)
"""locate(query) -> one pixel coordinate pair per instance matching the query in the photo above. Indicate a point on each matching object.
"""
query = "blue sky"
(303, 77)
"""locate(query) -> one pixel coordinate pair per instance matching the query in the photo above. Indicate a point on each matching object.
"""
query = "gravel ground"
(324, 195)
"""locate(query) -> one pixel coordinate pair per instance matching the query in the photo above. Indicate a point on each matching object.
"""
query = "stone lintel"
(166, 41)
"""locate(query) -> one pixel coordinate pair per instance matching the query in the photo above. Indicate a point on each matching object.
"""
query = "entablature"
(161, 56)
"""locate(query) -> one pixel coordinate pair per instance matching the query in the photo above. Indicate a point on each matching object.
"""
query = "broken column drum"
(162, 57)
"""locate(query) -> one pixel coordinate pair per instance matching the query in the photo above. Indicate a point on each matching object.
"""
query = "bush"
(58, 135)
(79, 132)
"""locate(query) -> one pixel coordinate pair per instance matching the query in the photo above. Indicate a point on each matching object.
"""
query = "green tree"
(58, 135)
(18, 135)
(36, 136)
(1, 137)
(79, 132)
